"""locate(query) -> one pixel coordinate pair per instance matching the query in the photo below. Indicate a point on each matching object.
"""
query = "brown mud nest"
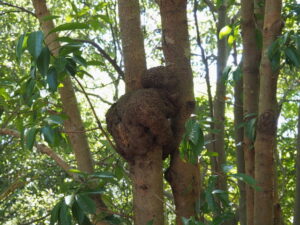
(142, 120)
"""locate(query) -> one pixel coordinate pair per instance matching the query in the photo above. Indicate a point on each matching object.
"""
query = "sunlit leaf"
(69, 26)
(69, 200)
(103, 175)
(225, 31)
(231, 39)
(20, 46)
(49, 17)
(247, 179)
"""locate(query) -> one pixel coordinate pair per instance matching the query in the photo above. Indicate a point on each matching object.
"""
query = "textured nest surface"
(142, 119)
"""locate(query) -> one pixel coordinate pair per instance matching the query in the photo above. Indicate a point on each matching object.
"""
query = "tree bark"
(239, 135)
(297, 198)
(265, 142)
(251, 29)
(146, 172)
(132, 43)
(183, 177)
(70, 106)
(74, 122)
(219, 101)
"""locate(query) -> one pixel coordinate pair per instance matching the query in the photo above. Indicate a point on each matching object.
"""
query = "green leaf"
(71, 67)
(231, 39)
(274, 54)
(33, 71)
(55, 213)
(52, 79)
(35, 44)
(292, 55)
(250, 128)
(48, 134)
(69, 200)
(30, 137)
(150, 222)
(77, 171)
(20, 46)
(86, 203)
(60, 64)
(225, 73)
(78, 213)
(50, 17)
(44, 61)
(79, 60)
(69, 26)
(105, 175)
(64, 214)
(224, 32)
(247, 179)
(194, 133)
(55, 119)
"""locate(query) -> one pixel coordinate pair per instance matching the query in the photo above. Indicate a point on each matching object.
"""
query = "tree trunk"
(183, 177)
(297, 198)
(251, 62)
(132, 43)
(219, 102)
(146, 171)
(265, 142)
(239, 135)
(78, 140)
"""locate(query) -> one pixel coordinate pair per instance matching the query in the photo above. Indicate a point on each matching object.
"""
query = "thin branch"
(205, 61)
(80, 131)
(18, 7)
(105, 55)
(94, 95)
(95, 115)
(211, 5)
(9, 11)
(36, 220)
(41, 148)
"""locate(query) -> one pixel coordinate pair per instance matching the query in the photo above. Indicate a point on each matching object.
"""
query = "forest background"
(224, 133)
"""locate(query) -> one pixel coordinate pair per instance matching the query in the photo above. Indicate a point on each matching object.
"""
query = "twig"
(18, 7)
(105, 55)
(95, 114)
(211, 5)
(43, 149)
(116, 213)
(36, 220)
(205, 61)
(79, 131)
(94, 95)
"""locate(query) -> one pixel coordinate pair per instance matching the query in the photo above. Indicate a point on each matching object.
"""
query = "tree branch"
(105, 55)
(18, 7)
(43, 149)
(211, 5)
(95, 115)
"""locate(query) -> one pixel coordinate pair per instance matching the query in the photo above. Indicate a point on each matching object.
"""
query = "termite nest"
(142, 120)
